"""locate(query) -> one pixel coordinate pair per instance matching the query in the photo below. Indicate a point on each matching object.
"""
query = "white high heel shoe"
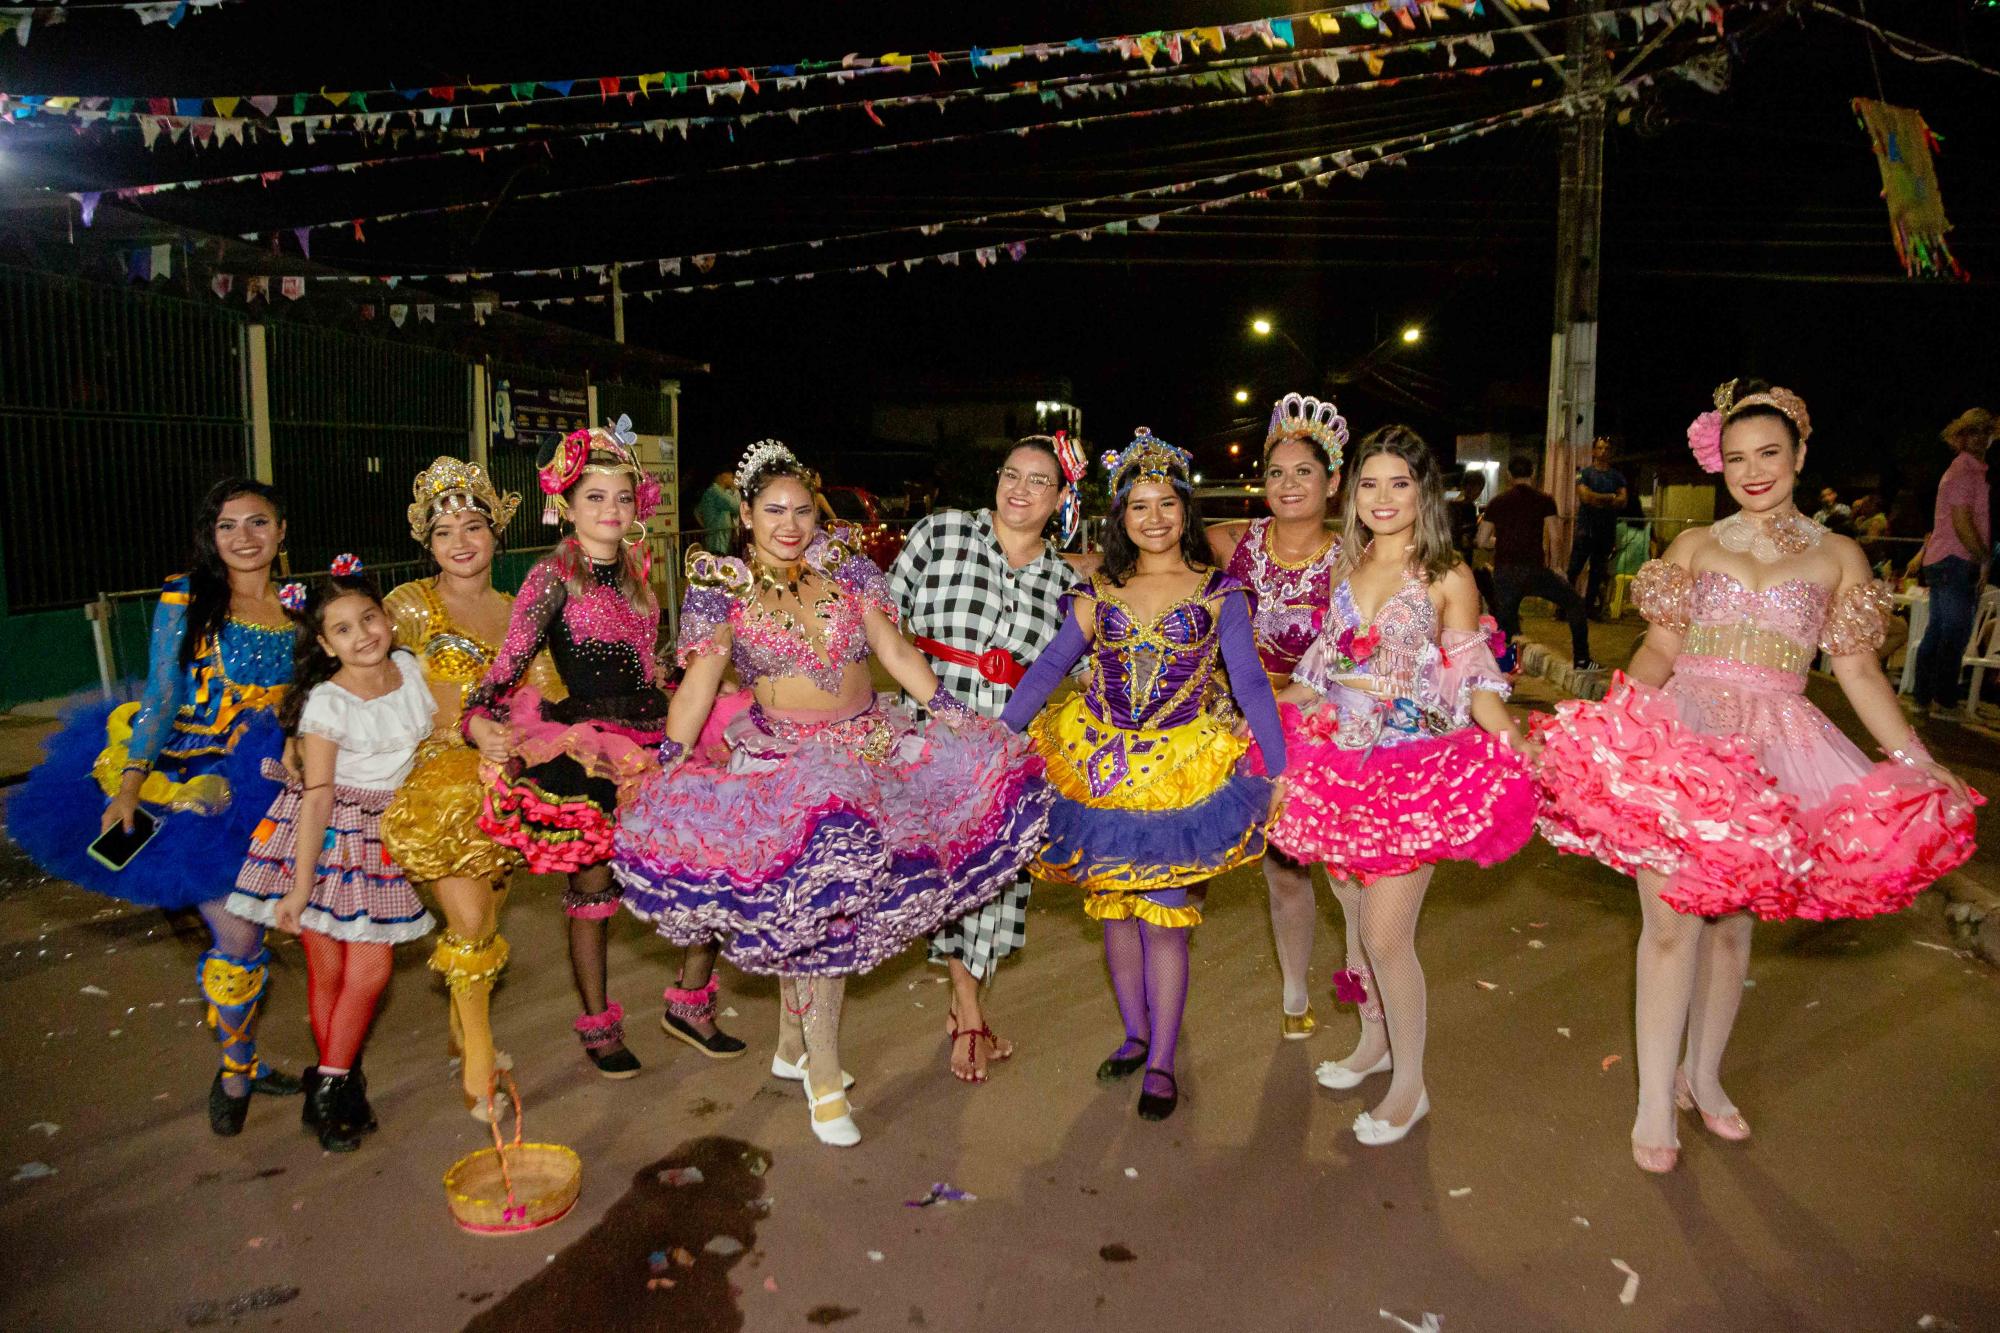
(1333, 1074)
(841, 1131)
(1375, 1133)
(783, 1068)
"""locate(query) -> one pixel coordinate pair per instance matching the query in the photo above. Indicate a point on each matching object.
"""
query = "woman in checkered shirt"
(979, 592)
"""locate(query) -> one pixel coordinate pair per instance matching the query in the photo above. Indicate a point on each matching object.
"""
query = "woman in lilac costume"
(830, 831)
(1149, 800)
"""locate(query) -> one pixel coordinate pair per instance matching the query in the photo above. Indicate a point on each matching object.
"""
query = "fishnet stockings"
(1294, 918)
(345, 980)
(1388, 933)
(588, 938)
(821, 1021)
(1374, 1043)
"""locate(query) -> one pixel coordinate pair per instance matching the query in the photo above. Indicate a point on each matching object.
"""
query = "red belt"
(996, 664)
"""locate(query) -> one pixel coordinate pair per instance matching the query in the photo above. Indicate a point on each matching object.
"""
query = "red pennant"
(607, 86)
(750, 79)
(937, 64)
(357, 230)
(869, 107)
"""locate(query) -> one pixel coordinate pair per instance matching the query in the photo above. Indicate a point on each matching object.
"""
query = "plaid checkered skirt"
(982, 937)
(359, 892)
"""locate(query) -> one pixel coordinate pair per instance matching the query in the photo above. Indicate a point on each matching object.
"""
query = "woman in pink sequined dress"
(1707, 775)
(1405, 757)
(1286, 561)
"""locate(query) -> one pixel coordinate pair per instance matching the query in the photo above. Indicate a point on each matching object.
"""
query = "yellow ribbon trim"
(1123, 907)
(204, 793)
(466, 963)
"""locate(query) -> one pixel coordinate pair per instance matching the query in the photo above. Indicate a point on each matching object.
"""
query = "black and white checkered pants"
(982, 938)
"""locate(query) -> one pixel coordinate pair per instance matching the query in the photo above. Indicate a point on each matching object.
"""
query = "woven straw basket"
(515, 1187)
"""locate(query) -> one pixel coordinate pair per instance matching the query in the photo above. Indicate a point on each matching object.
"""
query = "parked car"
(859, 508)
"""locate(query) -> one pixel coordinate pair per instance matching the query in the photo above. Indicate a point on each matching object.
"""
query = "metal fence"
(118, 410)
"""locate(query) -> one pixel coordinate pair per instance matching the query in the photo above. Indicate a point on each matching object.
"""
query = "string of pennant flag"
(737, 82)
(21, 19)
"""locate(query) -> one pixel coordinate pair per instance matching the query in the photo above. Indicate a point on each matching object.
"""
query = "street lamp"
(1234, 449)
(1261, 327)
(1242, 395)
(1412, 334)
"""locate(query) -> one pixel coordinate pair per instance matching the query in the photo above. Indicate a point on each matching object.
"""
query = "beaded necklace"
(1770, 541)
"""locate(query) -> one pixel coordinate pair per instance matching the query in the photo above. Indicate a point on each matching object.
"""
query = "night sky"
(1742, 230)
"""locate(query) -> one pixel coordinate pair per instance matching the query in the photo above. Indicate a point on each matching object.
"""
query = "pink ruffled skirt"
(1730, 784)
(818, 845)
(556, 801)
(1392, 808)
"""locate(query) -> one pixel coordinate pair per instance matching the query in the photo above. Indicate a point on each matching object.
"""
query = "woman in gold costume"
(454, 621)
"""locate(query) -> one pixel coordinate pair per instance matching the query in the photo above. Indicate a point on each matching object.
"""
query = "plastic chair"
(1984, 649)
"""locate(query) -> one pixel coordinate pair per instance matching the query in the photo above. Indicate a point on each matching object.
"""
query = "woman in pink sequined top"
(1707, 775)
(1286, 560)
(828, 831)
(1406, 757)
(562, 767)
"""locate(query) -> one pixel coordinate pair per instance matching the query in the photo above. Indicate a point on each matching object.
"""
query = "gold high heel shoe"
(1297, 1027)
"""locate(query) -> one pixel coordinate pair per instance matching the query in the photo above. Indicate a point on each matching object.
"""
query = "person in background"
(1954, 559)
(715, 511)
(1520, 527)
(1871, 526)
(1600, 497)
(1464, 503)
(1831, 510)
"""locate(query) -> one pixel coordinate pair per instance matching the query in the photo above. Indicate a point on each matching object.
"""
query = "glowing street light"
(1412, 334)
(1234, 449)
(1242, 395)
(1261, 327)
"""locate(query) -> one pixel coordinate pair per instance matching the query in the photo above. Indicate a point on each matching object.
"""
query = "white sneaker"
(783, 1068)
(1333, 1074)
(841, 1131)
(1375, 1133)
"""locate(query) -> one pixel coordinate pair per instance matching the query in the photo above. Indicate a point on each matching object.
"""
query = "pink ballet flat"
(1732, 1127)
(1657, 1161)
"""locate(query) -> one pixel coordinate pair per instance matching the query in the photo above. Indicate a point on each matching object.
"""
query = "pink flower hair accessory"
(1705, 440)
(647, 495)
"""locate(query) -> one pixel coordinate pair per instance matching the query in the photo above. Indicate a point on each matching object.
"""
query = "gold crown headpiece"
(452, 486)
(1147, 458)
(1300, 414)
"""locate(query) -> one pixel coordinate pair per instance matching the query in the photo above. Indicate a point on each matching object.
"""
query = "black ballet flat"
(1117, 1066)
(226, 1114)
(721, 1046)
(1154, 1107)
(619, 1063)
(271, 1082)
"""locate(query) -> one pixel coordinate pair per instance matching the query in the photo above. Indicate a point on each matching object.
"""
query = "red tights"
(344, 980)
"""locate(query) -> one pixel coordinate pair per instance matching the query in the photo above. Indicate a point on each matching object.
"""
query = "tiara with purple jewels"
(1148, 458)
(1317, 420)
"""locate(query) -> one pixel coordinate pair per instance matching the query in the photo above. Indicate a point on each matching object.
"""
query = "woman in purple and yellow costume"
(1707, 776)
(1407, 757)
(1286, 560)
(565, 766)
(190, 753)
(453, 622)
(832, 831)
(1149, 802)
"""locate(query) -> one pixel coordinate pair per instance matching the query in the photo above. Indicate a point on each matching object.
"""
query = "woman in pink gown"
(1707, 775)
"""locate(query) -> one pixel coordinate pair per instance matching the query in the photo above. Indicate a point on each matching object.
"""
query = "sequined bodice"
(1157, 673)
(250, 654)
(767, 644)
(193, 709)
(1407, 630)
(600, 644)
(1291, 601)
(1776, 627)
(450, 652)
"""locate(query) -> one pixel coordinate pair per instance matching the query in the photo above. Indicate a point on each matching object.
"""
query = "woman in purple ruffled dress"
(829, 831)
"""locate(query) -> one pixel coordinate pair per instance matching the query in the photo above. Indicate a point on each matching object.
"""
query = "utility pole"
(1572, 412)
(617, 304)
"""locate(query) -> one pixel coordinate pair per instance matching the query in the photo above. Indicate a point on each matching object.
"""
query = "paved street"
(1866, 1058)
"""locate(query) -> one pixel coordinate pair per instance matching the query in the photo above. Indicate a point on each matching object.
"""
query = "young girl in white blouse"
(359, 708)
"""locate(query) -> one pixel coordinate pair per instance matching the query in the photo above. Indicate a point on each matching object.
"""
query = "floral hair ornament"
(605, 449)
(1705, 431)
(292, 597)
(345, 565)
(1073, 463)
(1299, 414)
(455, 486)
(1147, 459)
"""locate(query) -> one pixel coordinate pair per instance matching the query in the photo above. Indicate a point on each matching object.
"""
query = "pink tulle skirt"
(1390, 809)
(1730, 784)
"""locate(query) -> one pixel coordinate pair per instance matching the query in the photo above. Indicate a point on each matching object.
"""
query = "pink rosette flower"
(647, 495)
(1705, 440)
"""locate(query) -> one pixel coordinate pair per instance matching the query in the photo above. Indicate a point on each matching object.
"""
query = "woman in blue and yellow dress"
(190, 753)
(454, 621)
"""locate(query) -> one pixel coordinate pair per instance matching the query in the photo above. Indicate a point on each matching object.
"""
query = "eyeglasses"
(1034, 481)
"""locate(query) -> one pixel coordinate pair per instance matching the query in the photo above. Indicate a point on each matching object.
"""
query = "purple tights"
(1149, 975)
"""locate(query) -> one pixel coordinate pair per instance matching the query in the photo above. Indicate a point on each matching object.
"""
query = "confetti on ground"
(1563, 1031)
(874, 1256)
(1583, 1222)
(1432, 1323)
(681, 1257)
(94, 990)
(1131, 1173)
(254, 1243)
(730, 1012)
(1921, 944)
(1460, 1192)
(1536, 944)
(723, 1245)
(941, 1193)
(34, 1171)
(1609, 1061)
(1487, 985)
(659, 1283)
(47, 1127)
(1749, 983)
(681, 1176)
(1538, 925)
(1630, 1291)
(1812, 1004)
(770, 1284)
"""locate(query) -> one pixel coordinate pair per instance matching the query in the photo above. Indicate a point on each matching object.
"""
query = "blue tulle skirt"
(194, 858)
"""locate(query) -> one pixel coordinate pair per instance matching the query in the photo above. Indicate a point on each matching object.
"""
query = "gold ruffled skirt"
(432, 825)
